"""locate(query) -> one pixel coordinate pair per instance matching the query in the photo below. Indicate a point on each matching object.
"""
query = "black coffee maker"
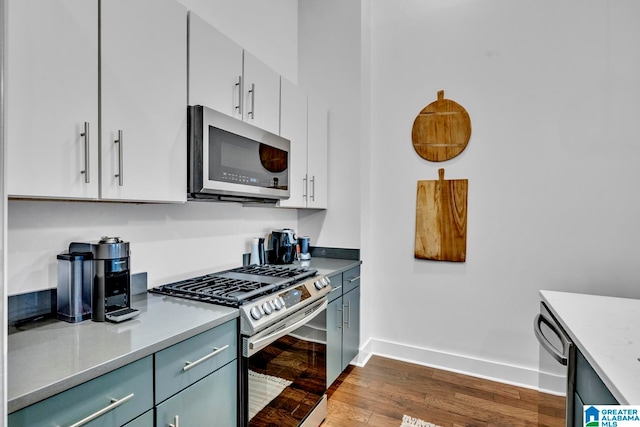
(283, 247)
(111, 278)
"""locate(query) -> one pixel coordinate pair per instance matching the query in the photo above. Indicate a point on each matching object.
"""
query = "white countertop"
(607, 332)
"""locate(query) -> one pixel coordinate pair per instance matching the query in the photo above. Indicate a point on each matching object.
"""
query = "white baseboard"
(486, 369)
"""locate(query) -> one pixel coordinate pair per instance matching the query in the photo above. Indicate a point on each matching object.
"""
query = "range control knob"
(326, 280)
(318, 284)
(276, 304)
(267, 308)
(256, 313)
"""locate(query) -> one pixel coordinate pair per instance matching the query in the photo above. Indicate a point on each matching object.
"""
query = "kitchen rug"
(263, 389)
(408, 421)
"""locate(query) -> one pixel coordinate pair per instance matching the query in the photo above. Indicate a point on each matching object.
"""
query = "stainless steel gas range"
(282, 378)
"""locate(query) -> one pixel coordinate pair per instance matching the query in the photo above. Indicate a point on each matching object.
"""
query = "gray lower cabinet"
(196, 380)
(144, 420)
(210, 401)
(343, 322)
(589, 390)
(193, 381)
(112, 399)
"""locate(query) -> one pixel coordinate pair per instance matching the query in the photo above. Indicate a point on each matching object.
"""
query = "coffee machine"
(283, 246)
(109, 280)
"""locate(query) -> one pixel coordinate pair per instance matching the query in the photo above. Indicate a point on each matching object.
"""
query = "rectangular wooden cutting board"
(441, 219)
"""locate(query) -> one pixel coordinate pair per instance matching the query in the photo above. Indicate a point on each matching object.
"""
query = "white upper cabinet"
(51, 97)
(317, 154)
(215, 68)
(226, 78)
(144, 100)
(261, 100)
(293, 126)
(55, 90)
(304, 123)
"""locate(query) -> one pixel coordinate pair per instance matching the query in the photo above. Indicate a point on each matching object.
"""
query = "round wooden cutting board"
(442, 130)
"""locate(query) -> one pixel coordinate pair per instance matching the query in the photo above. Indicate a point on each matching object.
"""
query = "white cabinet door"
(51, 91)
(143, 99)
(261, 100)
(215, 68)
(293, 126)
(317, 172)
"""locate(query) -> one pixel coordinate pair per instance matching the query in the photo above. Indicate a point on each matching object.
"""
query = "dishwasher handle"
(561, 357)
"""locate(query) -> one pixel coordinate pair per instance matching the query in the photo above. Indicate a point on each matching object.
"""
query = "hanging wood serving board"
(441, 219)
(441, 130)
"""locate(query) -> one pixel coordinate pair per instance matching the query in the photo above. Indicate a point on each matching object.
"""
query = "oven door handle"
(537, 329)
(257, 344)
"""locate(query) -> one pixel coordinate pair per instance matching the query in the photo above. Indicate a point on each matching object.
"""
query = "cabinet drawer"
(132, 383)
(184, 363)
(210, 401)
(350, 279)
(336, 287)
(589, 386)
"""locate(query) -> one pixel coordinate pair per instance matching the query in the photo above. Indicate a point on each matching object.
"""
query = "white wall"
(553, 92)
(330, 70)
(170, 242)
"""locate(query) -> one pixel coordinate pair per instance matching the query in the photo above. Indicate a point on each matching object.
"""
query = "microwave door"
(241, 160)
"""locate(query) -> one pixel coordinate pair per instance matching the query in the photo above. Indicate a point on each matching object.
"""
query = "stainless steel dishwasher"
(557, 362)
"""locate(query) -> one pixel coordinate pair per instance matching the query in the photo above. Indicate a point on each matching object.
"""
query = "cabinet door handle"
(340, 317)
(119, 141)
(215, 352)
(304, 187)
(253, 101)
(313, 188)
(354, 279)
(239, 106)
(114, 404)
(348, 322)
(176, 422)
(87, 157)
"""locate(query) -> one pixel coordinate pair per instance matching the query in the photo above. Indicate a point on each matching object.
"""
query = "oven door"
(283, 375)
(556, 377)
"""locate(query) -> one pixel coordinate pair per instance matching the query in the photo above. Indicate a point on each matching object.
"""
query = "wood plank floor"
(384, 390)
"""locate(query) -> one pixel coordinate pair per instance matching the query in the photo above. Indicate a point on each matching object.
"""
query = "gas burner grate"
(276, 271)
(237, 286)
(214, 289)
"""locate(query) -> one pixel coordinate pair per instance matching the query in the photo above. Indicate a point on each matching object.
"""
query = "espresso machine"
(108, 283)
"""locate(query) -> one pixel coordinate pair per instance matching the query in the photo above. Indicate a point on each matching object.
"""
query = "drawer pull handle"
(114, 404)
(354, 279)
(176, 422)
(215, 352)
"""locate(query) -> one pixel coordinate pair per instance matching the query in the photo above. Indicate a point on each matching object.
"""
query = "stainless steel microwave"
(230, 160)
